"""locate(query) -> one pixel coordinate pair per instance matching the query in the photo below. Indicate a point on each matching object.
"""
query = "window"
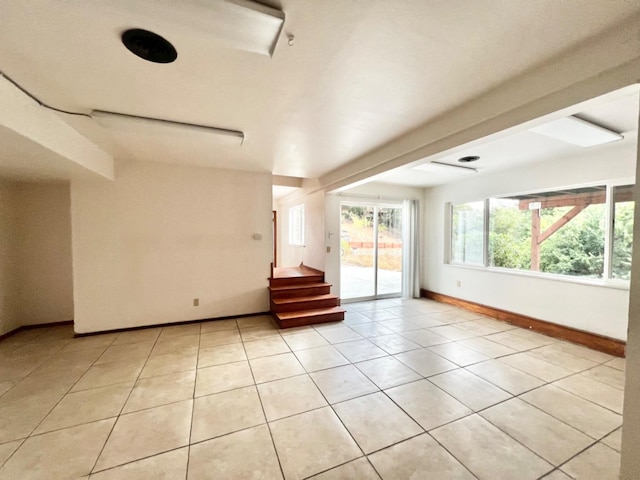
(296, 225)
(562, 232)
(622, 232)
(467, 233)
(509, 234)
(559, 232)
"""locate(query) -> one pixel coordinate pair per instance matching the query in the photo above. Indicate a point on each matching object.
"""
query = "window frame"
(607, 280)
(296, 225)
(611, 229)
(450, 226)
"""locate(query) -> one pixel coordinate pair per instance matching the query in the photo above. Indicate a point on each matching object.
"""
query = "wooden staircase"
(300, 296)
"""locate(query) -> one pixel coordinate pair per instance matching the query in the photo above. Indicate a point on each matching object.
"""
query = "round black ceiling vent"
(148, 45)
(469, 159)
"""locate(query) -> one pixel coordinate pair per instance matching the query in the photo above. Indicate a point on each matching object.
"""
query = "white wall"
(36, 283)
(147, 244)
(313, 252)
(597, 309)
(9, 289)
(46, 279)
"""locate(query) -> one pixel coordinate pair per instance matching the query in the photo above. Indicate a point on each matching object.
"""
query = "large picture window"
(560, 232)
(554, 232)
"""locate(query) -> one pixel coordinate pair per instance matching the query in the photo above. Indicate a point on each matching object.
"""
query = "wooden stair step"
(304, 290)
(291, 272)
(282, 282)
(290, 304)
(311, 313)
(309, 317)
(304, 299)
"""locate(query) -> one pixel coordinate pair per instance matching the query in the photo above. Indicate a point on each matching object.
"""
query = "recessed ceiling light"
(577, 132)
(149, 46)
(469, 159)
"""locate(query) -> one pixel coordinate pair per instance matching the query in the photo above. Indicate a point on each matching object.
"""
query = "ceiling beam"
(605, 63)
(284, 181)
(26, 117)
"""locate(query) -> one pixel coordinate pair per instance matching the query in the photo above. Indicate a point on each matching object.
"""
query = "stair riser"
(284, 282)
(302, 292)
(299, 322)
(305, 305)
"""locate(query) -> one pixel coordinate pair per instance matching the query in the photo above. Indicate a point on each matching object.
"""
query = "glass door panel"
(389, 251)
(357, 259)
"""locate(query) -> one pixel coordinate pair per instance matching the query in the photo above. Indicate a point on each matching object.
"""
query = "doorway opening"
(371, 253)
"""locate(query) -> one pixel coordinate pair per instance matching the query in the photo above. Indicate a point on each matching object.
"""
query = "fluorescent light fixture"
(238, 24)
(577, 132)
(440, 167)
(132, 124)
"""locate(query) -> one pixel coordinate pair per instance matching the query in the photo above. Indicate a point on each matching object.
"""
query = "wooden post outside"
(535, 235)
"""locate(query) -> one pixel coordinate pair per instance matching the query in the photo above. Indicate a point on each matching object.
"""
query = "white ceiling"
(358, 75)
(617, 111)
(280, 191)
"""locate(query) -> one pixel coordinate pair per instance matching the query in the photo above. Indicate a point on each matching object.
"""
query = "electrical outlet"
(458, 283)
(196, 302)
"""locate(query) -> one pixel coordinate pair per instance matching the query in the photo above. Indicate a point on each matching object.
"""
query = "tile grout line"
(449, 452)
(91, 471)
(310, 477)
(193, 403)
(596, 442)
(591, 444)
(273, 443)
(564, 422)
(338, 416)
(69, 390)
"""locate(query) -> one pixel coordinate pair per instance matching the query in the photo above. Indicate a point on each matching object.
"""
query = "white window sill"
(594, 282)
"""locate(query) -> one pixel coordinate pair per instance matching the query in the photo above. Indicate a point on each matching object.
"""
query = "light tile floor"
(401, 389)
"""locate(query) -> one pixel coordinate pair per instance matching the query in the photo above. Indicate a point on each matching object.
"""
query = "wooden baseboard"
(171, 324)
(32, 327)
(591, 340)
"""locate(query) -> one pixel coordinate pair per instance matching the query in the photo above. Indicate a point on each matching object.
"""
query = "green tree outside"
(576, 249)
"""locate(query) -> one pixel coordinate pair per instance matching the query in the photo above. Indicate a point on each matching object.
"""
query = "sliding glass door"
(370, 251)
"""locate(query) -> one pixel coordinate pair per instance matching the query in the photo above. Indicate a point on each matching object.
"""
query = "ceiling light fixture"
(133, 123)
(577, 132)
(469, 159)
(440, 167)
(149, 46)
(237, 24)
